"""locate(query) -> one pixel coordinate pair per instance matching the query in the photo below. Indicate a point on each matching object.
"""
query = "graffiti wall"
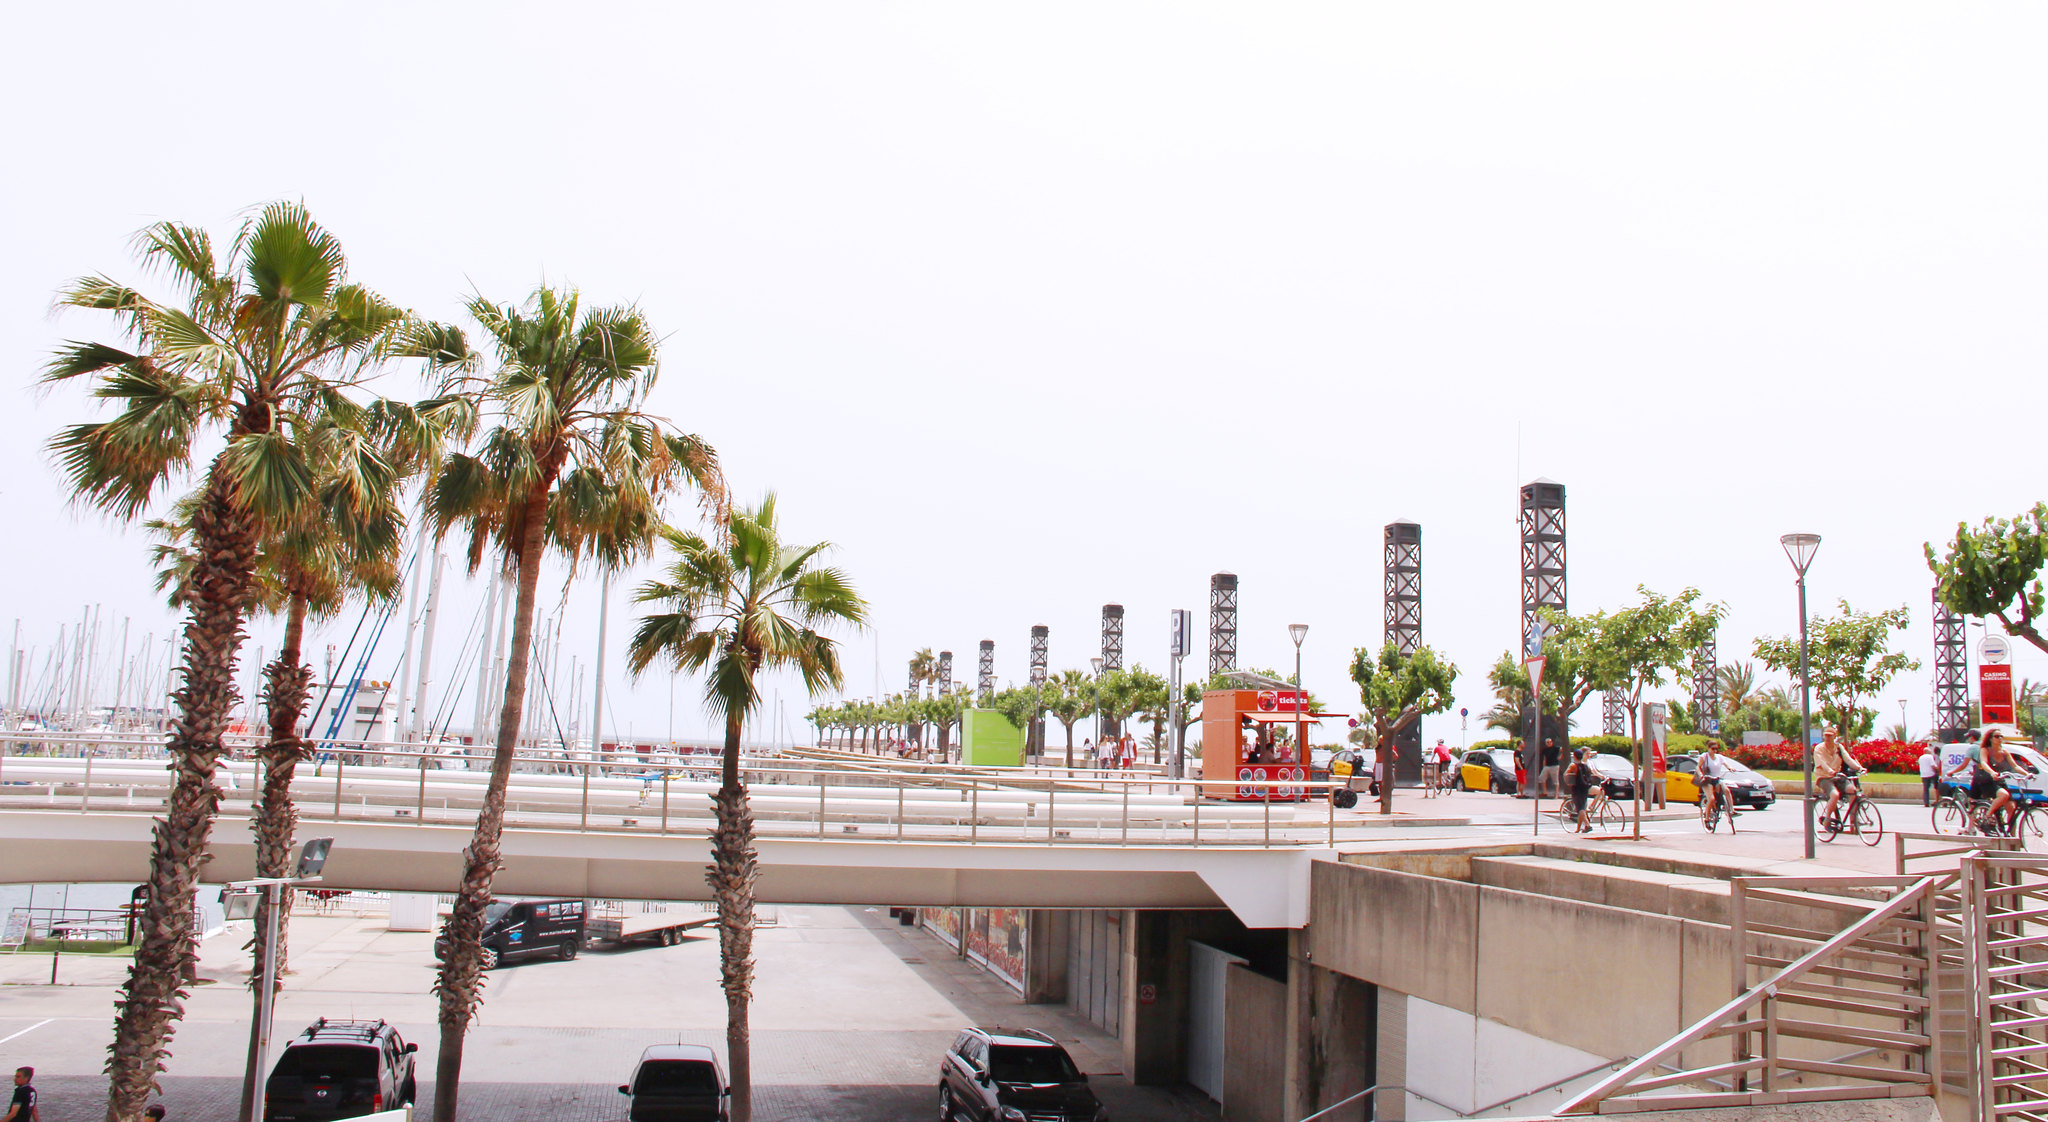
(996, 939)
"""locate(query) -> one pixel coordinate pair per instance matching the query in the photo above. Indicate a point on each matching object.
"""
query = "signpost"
(1533, 760)
(1994, 680)
(1183, 633)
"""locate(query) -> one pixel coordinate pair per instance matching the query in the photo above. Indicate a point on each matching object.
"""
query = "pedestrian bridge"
(828, 832)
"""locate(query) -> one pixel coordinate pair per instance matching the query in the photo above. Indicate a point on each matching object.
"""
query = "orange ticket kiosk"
(1241, 757)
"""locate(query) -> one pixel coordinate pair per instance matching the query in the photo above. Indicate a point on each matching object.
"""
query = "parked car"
(340, 1069)
(1006, 1075)
(677, 1083)
(1488, 769)
(1744, 787)
(526, 928)
(1617, 774)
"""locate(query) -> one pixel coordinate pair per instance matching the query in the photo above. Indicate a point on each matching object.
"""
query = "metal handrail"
(1729, 1019)
(1343, 1102)
(596, 791)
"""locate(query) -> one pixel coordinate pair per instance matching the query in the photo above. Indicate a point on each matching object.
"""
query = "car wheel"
(571, 949)
(945, 1103)
(487, 958)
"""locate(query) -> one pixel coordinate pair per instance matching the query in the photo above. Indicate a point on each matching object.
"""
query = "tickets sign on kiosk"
(1242, 759)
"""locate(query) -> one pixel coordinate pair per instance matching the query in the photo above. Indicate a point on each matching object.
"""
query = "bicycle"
(1958, 813)
(1714, 810)
(1600, 811)
(1856, 813)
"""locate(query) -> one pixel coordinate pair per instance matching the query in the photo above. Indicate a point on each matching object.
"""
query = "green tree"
(738, 604)
(1150, 695)
(1849, 658)
(1736, 683)
(1020, 705)
(258, 345)
(1994, 570)
(1069, 696)
(572, 464)
(1396, 690)
(1630, 649)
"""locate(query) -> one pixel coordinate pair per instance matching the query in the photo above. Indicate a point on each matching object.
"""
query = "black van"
(526, 928)
(677, 1083)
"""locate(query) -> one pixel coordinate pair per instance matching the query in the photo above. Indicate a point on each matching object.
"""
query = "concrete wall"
(1095, 961)
(1594, 981)
(1046, 935)
(1333, 1039)
(1254, 1074)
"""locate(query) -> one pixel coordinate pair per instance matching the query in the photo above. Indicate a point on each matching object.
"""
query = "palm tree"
(1069, 696)
(1737, 683)
(307, 569)
(260, 344)
(572, 464)
(736, 606)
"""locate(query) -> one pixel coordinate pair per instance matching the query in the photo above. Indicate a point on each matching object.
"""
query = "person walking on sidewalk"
(22, 1108)
(1546, 780)
(1930, 771)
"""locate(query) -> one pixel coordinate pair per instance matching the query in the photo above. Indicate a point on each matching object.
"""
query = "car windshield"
(1729, 766)
(328, 1062)
(495, 911)
(1611, 764)
(675, 1077)
(1013, 1063)
(1503, 759)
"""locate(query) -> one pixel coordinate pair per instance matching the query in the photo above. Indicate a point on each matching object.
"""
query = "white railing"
(383, 782)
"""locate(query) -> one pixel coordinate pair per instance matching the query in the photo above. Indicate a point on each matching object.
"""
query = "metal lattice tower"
(945, 673)
(1951, 675)
(1613, 713)
(985, 683)
(1543, 584)
(916, 683)
(1706, 691)
(1112, 636)
(1035, 736)
(1222, 623)
(1403, 610)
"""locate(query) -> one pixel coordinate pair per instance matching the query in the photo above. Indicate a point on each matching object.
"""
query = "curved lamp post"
(1800, 548)
(1298, 632)
(1096, 665)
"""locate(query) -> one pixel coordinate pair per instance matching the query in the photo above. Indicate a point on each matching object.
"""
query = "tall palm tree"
(571, 464)
(1737, 683)
(258, 344)
(737, 605)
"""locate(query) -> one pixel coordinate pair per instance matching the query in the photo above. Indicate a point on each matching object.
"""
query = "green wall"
(988, 739)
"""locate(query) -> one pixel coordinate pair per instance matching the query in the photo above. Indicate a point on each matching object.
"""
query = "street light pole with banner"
(1994, 681)
(1183, 631)
(1655, 724)
(1532, 760)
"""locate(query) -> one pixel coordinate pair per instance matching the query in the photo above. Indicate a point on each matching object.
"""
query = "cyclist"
(1579, 780)
(1833, 765)
(1713, 767)
(1989, 764)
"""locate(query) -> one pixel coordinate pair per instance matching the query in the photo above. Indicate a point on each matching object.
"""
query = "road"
(850, 1016)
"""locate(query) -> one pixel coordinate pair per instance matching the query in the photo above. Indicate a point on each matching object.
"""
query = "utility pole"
(604, 603)
(419, 706)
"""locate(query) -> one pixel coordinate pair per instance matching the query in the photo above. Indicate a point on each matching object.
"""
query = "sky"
(1031, 308)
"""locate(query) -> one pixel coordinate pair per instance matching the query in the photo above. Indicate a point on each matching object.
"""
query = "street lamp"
(239, 902)
(1298, 632)
(1800, 548)
(1096, 665)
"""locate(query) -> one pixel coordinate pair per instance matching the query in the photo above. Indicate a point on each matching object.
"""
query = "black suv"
(1021, 1075)
(340, 1069)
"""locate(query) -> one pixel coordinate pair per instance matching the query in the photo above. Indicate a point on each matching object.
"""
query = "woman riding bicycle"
(1984, 766)
(1713, 768)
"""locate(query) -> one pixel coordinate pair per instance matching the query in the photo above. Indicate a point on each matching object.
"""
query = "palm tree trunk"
(460, 985)
(152, 999)
(731, 878)
(276, 818)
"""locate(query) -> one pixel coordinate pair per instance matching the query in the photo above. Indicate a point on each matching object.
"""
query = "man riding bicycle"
(1836, 768)
(1713, 768)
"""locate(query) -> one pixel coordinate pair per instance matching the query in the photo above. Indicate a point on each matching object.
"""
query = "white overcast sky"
(1035, 307)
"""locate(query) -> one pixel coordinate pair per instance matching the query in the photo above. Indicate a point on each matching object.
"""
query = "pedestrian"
(1087, 751)
(1546, 780)
(23, 1107)
(1127, 752)
(1930, 768)
(1521, 773)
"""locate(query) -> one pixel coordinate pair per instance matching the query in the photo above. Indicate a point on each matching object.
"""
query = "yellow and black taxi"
(1488, 769)
(1744, 787)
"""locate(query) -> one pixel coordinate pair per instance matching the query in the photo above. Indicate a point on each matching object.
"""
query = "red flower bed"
(1900, 757)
